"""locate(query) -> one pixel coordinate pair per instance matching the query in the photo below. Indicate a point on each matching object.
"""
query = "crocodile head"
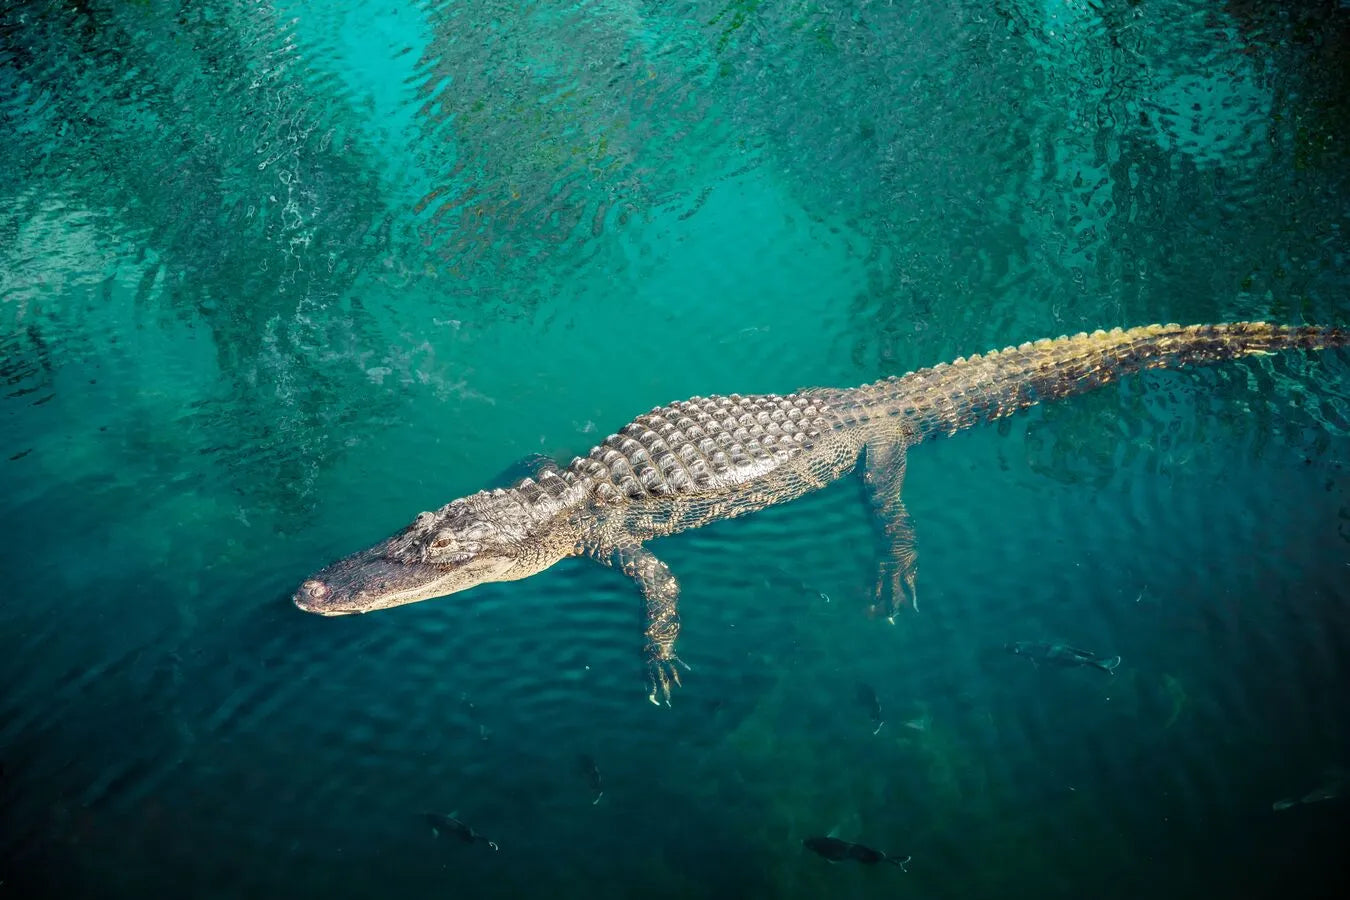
(490, 536)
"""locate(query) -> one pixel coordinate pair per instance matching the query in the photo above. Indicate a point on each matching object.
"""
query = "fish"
(1317, 795)
(869, 699)
(450, 825)
(591, 769)
(921, 723)
(836, 850)
(1062, 655)
(1335, 784)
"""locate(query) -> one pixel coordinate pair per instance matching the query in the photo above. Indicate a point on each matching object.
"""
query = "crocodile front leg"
(885, 475)
(662, 593)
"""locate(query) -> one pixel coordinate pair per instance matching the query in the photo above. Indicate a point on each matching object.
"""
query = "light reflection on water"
(275, 278)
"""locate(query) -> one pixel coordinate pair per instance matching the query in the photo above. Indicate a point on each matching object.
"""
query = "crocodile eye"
(442, 543)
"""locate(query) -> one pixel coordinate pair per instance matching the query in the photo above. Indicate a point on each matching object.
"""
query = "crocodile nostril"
(316, 590)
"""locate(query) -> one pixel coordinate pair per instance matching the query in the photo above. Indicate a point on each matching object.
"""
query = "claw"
(661, 672)
(903, 590)
(907, 587)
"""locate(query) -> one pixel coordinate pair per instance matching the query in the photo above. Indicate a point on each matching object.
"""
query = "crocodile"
(712, 458)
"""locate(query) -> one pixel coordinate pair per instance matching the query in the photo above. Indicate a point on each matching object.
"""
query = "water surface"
(277, 277)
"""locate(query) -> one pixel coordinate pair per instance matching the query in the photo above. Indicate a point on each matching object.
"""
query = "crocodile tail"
(951, 396)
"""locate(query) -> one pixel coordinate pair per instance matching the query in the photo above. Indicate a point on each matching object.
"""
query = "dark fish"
(1336, 783)
(450, 825)
(1062, 655)
(591, 770)
(836, 850)
(869, 700)
(1317, 795)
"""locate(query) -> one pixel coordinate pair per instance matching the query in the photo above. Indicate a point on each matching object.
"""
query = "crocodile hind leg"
(662, 593)
(884, 474)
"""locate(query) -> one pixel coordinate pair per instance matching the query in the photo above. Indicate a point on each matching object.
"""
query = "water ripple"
(274, 277)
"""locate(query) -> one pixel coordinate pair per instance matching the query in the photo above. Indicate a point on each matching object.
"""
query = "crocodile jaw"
(370, 580)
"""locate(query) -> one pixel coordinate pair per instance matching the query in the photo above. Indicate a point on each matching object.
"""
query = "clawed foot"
(895, 589)
(662, 673)
(905, 588)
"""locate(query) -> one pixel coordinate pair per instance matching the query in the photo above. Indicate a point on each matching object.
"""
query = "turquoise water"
(275, 278)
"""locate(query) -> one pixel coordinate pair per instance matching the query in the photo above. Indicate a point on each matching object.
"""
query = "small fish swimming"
(869, 700)
(1335, 784)
(449, 824)
(1318, 795)
(1062, 655)
(922, 723)
(836, 850)
(591, 769)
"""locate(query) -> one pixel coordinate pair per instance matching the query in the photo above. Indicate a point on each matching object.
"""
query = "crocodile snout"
(312, 594)
(375, 579)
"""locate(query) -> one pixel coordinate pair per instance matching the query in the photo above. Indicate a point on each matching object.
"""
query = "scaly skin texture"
(706, 459)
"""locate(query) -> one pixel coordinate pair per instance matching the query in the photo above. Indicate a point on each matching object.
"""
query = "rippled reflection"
(186, 161)
(1072, 152)
(546, 125)
(276, 275)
